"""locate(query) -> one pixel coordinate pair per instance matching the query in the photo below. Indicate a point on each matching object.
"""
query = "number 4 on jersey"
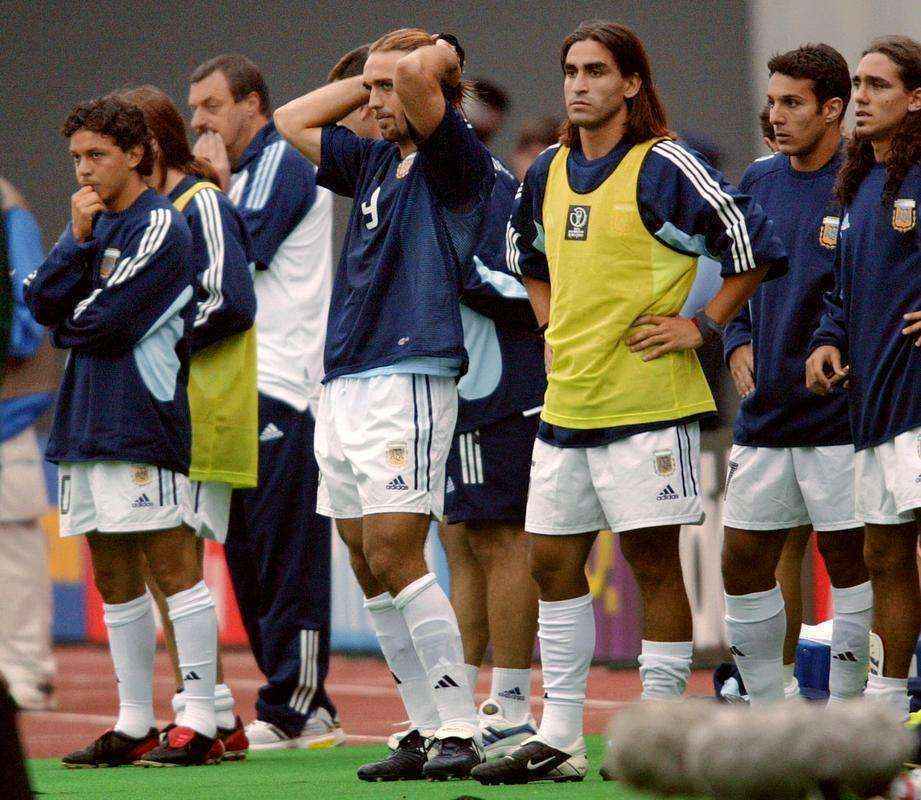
(370, 209)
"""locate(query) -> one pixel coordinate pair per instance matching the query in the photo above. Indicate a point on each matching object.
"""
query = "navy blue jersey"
(782, 315)
(506, 373)
(878, 273)
(683, 202)
(121, 303)
(412, 232)
(225, 301)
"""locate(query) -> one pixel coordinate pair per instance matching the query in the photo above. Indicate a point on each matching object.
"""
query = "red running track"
(362, 688)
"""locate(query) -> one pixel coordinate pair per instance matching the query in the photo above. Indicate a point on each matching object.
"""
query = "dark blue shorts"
(488, 471)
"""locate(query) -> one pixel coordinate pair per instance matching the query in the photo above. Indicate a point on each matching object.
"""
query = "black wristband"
(710, 329)
(542, 329)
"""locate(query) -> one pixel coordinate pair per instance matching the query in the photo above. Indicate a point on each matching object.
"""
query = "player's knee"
(547, 568)
(883, 556)
(843, 556)
(117, 585)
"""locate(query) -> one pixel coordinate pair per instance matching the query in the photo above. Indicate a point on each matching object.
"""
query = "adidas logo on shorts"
(668, 493)
(512, 694)
(397, 484)
(142, 502)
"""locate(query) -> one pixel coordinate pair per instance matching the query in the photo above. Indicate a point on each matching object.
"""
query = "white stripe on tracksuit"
(710, 190)
(307, 675)
(213, 276)
(471, 459)
(264, 176)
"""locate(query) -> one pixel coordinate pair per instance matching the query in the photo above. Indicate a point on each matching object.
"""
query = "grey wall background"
(55, 54)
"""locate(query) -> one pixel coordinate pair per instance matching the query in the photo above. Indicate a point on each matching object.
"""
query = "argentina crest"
(663, 463)
(828, 233)
(109, 259)
(396, 454)
(904, 215)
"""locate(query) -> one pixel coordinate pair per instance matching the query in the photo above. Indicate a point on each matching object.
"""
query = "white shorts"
(382, 443)
(116, 497)
(210, 501)
(645, 481)
(23, 493)
(888, 480)
(777, 488)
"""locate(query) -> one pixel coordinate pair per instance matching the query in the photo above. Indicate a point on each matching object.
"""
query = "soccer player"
(792, 463)
(492, 591)
(868, 342)
(278, 548)
(394, 350)
(222, 374)
(115, 291)
(605, 235)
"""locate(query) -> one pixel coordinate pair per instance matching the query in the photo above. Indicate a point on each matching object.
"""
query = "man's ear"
(832, 108)
(915, 103)
(633, 85)
(135, 155)
(252, 103)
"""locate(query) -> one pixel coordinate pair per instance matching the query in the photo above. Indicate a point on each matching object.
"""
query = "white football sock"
(512, 689)
(892, 691)
(436, 637)
(473, 675)
(756, 624)
(132, 644)
(665, 668)
(195, 624)
(566, 629)
(403, 662)
(224, 704)
(850, 641)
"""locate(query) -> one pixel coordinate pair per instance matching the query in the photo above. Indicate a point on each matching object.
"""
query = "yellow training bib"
(606, 270)
(223, 402)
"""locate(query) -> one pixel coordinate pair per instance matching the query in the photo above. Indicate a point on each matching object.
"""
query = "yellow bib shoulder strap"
(183, 200)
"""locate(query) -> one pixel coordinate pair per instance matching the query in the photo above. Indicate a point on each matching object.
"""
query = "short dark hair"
(490, 94)
(242, 74)
(350, 65)
(821, 64)
(118, 119)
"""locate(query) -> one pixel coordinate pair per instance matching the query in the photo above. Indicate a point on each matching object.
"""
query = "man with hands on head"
(394, 350)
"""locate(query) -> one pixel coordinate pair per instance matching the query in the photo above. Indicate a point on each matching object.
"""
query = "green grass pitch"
(306, 775)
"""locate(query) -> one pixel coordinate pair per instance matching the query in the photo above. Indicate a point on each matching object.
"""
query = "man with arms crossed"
(278, 548)
(793, 458)
(116, 292)
(394, 349)
(612, 222)
(868, 341)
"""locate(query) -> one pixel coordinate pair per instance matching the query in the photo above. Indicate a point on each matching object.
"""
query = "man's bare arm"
(539, 295)
(301, 121)
(418, 81)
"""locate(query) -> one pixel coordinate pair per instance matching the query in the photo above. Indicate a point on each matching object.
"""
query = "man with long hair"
(606, 235)
(868, 342)
(792, 462)
(222, 374)
(394, 349)
(116, 291)
(278, 548)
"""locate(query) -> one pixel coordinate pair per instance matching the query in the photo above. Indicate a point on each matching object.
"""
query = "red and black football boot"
(112, 749)
(234, 740)
(183, 747)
